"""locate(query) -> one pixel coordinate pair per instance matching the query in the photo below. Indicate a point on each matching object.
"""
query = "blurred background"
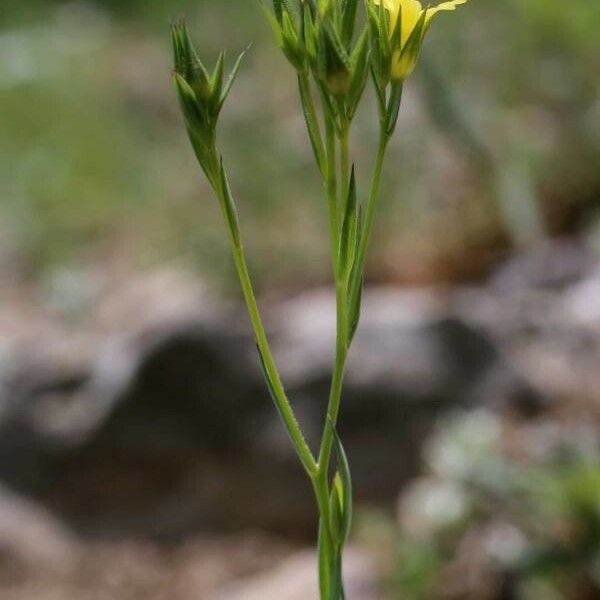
(139, 454)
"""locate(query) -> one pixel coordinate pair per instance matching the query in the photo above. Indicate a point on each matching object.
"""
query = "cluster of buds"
(201, 95)
(319, 36)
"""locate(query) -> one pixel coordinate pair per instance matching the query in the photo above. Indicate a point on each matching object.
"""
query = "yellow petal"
(410, 12)
(451, 5)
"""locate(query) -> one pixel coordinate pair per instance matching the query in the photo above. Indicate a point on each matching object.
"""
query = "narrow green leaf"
(337, 513)
(229, 208)
(349, 230)
(354, 307)
(298, 444)
(355, 284)
(346, 485)
(267, 377)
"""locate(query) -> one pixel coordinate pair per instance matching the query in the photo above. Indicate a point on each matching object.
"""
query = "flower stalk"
(333, 55)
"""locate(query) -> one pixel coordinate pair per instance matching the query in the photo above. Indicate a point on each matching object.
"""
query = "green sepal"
(199, 128)
(334, 62)
(383, 25)
(393, 109)
(187, 63)
(232, 77)
(360, 71)
(314, 130)
(293, 47)
(349, 10)
(281, 7)
(216, 84)
(381, 53)
(396, 35)
(195, 118)
(274, 22)
(412, 48)
(283, 22)
(309, 33)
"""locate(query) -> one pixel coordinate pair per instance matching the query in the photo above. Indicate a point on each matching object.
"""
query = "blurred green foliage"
(94, 162)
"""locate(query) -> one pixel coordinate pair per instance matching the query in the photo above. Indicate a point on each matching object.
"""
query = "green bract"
(333, 50)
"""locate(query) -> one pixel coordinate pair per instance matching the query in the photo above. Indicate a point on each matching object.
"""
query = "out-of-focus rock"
(541, 311)
(31, 539)
(132, 569)
(159, 410)
(296, 579)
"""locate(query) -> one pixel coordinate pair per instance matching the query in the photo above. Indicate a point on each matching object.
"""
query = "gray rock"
(32, 540)
(169, 425)
(296, 579)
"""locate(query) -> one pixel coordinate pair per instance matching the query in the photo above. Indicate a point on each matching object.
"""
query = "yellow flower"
(410, 14)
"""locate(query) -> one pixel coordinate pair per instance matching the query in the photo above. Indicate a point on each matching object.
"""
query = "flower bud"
(201, 95)
(288, 31)
(335, 65)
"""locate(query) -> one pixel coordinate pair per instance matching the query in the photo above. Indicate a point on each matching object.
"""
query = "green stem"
(341, 344)
(341, 352)
(321, 490)
(283, 404)
(331, 187)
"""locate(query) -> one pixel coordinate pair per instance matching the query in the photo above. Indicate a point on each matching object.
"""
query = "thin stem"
(331, 187)
(283, 405)
(341, 345)
(321, 490)
(341, 351)
(335, 397)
